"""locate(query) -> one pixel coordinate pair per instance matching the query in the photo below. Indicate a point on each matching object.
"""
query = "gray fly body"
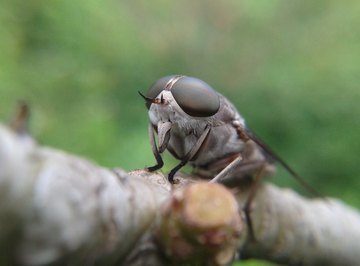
(201, 127)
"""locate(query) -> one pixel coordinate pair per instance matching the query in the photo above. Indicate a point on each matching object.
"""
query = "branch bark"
(56, 208)
(294, 230)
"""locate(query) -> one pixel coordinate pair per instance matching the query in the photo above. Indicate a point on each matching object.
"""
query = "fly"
(200, 127)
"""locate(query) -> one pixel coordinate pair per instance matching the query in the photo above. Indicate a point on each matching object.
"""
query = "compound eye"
(195, 97)
(157, 87)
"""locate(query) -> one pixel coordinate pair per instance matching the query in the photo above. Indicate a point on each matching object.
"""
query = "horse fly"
(201, 127)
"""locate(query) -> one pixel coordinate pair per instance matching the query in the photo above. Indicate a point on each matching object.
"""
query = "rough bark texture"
(294, 230)
(57, 208)
(60, 206)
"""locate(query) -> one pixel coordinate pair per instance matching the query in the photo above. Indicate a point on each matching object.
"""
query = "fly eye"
(195, 97)
(156, 88)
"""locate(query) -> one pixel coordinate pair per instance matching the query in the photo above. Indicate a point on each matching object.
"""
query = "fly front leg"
(190, 155)
(155, 150)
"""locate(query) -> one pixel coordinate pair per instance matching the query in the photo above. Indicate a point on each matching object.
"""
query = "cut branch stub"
(19, 123)
(201, 224)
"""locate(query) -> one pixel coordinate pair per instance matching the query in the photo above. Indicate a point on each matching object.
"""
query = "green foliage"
(291, 68)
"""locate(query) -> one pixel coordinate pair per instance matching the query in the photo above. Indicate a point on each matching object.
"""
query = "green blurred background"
(291, 67)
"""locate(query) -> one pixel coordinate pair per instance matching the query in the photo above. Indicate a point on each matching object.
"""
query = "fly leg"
(247, 207)
(256, 168)
(155, 150)
(242, 167)
(195, 149)
(228, 169)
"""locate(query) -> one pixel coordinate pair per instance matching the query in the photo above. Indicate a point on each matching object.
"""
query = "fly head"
(188, 95)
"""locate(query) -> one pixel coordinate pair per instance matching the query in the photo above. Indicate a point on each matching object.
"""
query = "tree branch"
(56, 208)
(68, 207)
(294, 230)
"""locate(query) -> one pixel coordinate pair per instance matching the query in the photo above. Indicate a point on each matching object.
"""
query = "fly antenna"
(147, 99)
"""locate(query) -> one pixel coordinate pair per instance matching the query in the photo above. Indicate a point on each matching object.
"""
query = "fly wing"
(251, 135)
